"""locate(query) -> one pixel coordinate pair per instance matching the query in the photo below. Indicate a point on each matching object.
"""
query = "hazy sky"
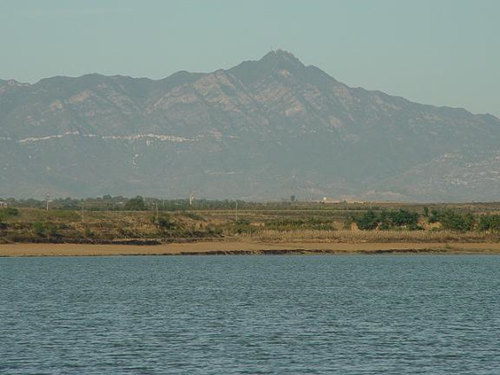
(442, 52)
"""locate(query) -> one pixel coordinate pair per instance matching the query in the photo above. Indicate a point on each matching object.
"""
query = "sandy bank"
(216, 248)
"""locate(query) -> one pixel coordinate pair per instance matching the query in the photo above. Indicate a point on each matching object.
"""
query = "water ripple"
(251, 315)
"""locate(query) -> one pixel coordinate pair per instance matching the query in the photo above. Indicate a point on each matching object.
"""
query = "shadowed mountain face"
(264, 129)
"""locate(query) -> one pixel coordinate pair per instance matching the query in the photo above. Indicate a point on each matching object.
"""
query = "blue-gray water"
(250, 314)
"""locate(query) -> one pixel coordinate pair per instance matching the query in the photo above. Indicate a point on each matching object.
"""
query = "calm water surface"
(250, 315)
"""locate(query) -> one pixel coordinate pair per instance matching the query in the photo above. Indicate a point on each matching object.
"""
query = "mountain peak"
(275, 60)
(280, 58)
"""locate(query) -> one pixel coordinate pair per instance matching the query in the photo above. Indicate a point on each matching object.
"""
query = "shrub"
(404, 218)
(242, 222)
(434, 216)
(489, 223)
(52, 231)
(388, 220)
(299, 223)
(165, 222)
(8, 212)
(368, 221)
(39, 228)
(214, 231)
(347, 223)
(192, 215)
(455, 221)
(243, 226)
(45, 229)
(88, 232)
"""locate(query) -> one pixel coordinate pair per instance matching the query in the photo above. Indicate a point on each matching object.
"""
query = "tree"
(404, 218)
(426, 211)
(455, 221)
(135, 204)
(368, 221)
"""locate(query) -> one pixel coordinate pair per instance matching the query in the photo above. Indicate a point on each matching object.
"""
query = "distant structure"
(327, 200)
(3, 204)
(191, 199)
(47, 201)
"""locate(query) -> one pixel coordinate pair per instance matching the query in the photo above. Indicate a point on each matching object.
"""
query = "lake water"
(423, 314)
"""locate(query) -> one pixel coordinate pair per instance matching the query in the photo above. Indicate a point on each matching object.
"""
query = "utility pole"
(156, 209)
(47, 199)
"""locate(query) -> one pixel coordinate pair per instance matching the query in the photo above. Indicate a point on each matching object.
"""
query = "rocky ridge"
(265, 129)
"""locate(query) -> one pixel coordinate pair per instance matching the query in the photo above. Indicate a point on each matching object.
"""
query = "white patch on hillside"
(218, 173)
(159, 137)
(135, 137)
(46, 138)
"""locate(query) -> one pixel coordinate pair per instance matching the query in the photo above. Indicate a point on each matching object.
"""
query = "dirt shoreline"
(242, 248)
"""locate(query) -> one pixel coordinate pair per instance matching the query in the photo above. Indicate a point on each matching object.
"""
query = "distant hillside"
(264, 129)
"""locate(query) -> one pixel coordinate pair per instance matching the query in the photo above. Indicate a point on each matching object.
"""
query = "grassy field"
(270, 223)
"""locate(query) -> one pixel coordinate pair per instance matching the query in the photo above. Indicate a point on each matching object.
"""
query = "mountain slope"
(262, 130)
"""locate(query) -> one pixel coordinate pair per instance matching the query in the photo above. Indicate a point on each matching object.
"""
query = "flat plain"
(254, 228)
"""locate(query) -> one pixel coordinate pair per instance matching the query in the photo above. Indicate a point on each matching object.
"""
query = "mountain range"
(265, 129)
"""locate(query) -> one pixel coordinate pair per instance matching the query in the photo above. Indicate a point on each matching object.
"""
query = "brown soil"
(225, 247)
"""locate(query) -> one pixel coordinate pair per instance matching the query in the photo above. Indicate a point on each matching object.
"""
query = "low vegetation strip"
(152, 222)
